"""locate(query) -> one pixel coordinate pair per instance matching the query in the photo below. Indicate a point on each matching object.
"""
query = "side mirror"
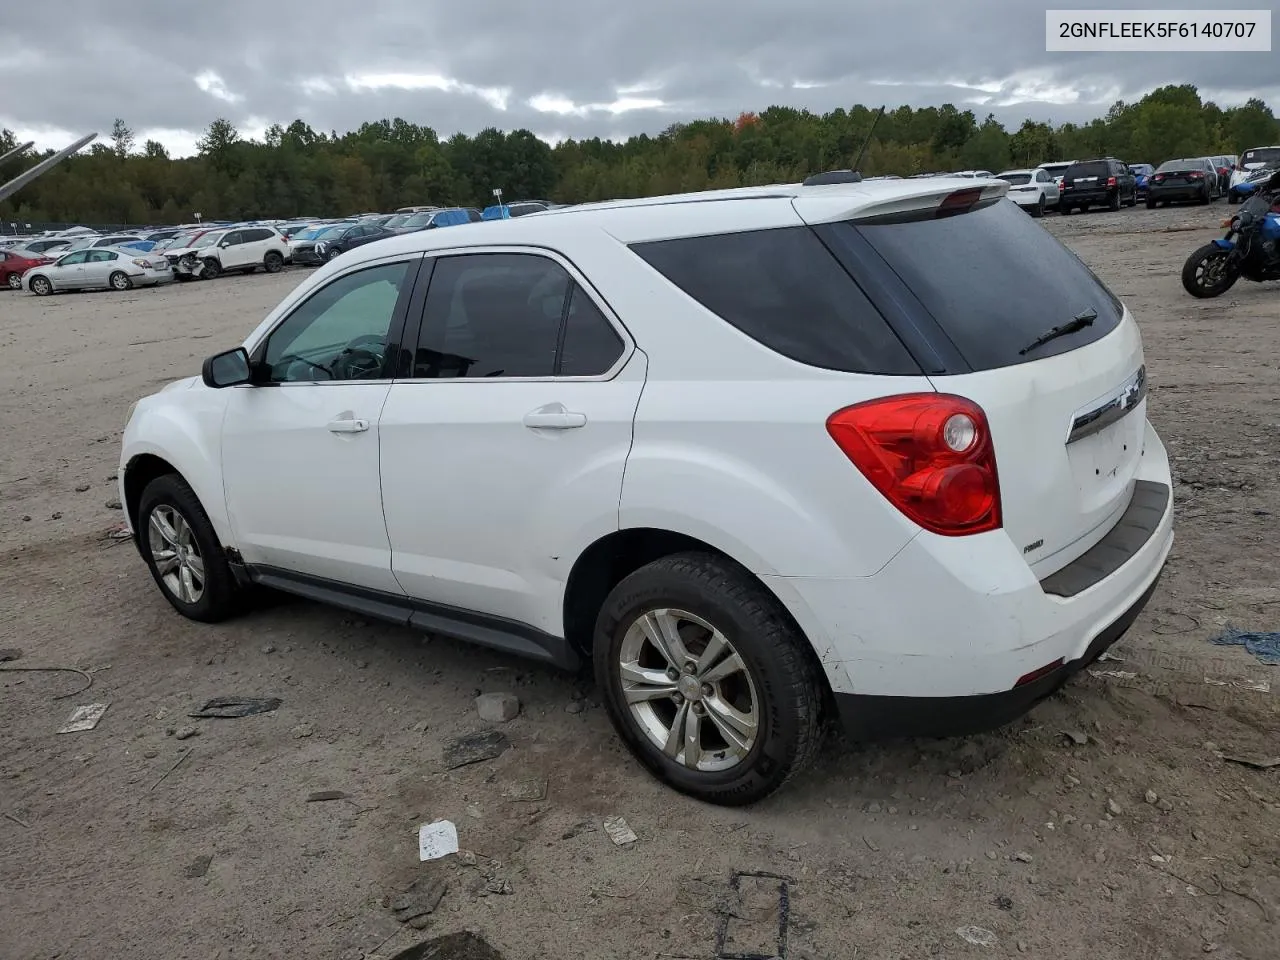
(224, 244)
(228, 369)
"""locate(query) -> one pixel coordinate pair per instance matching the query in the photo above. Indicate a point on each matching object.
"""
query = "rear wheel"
(1209, 272)
(707, 680)
(119, 281)
(15, 281)
(1113, 201)
(181, 548)
(1205, 196)
(41, 286)
(1038, 209)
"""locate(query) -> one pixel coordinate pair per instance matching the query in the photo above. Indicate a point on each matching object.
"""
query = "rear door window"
(785, 290)
(993, 280)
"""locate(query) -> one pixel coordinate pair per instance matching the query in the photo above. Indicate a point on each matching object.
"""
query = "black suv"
(1107, 182)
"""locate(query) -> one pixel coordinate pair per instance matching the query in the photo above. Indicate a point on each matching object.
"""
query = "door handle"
(554, 420)
(348, 426)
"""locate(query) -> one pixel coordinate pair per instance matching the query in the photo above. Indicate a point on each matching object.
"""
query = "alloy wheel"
(176, 553)
(688, 690)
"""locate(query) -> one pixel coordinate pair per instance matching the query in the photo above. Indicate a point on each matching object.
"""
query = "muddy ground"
(1041, 835)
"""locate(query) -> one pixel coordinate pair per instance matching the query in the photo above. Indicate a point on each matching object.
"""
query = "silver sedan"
(100, 268)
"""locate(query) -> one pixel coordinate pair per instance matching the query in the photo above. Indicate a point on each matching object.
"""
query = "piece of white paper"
(436, 840)
(619, 831)
(85, 718)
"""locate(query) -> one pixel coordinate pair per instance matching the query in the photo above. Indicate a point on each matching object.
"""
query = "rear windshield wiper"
(1081, 320)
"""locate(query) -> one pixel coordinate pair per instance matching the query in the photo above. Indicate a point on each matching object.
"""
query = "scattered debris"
(455, 946)
(1077, 737)
(1150, 796)
(15, 819)
(436, 840)
(198, 867)
(62, 696)
(1240, 683)
(302, 731)
(176, 764)
(85, 718)
(1257, 763)
(1114, 674)
(1003, 903)
(526, 790)
(82, 488)
(578, 829)
(114, 504)
(728, 913)
(1107, 655)
(1022, 857)
(231, 708)
(870, 846)
(978, 936)
(619, 831)
(499, 886)
(416, 905)
(186, 733)
(1114, 808)
(268, 648)
(9, 653)
(497, 707)
(475, 748)
(321, 796)
(1264, 646)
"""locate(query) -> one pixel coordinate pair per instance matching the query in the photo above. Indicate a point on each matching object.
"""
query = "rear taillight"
(1196, 175)
(959, 202)
(1157, 178)
(928, 454)
(1111, 181)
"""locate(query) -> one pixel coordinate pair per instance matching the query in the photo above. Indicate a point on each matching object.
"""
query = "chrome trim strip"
(1131, 393)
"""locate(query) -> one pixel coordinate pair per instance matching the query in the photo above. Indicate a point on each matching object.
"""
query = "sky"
(568, 68)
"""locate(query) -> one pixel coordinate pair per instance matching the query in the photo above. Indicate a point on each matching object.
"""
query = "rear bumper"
(1095, 195)
(1026, 199)
(1177, 193)
(945, 630)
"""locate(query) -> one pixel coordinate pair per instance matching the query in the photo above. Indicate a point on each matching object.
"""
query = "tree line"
(295, 170)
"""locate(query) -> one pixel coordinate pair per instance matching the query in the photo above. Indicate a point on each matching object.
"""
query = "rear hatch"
(1086, 176)
(970, 294)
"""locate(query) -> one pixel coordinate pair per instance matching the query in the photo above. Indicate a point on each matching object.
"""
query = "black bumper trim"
(1135, 528)
(866, 717)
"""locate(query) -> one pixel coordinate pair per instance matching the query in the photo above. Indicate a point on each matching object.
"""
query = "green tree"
(121, 138)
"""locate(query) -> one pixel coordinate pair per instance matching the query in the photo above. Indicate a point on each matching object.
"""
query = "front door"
(503, 453)
(300, 446)
(68, 273)
(232, 250)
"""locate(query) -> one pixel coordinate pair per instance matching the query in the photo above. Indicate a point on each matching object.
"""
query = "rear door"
(98, 266)
(1067, 415)
(503, 449)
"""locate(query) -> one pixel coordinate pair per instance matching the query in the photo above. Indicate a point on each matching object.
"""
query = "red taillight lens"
(928, 454)
(958, 202)
(1157, 178)
(1196, 175)
(1111, 181)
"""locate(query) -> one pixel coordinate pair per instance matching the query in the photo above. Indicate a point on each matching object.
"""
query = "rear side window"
(785, 290)
(589, 345)
(994, 280)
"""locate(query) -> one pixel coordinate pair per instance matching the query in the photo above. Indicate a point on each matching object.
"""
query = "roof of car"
(691, 214)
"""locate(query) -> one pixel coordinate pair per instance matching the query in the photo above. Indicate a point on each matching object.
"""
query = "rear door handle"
(554, 420)
(348, 426)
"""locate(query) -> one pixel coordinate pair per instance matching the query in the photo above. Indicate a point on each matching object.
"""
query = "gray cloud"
(336, 64)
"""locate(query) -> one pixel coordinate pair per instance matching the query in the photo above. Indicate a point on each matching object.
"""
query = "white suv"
(874, 450)
(242, 250)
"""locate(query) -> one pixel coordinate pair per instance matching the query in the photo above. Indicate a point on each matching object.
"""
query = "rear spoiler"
(949, 201)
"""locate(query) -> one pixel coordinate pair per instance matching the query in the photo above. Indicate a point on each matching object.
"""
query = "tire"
(779, 683)
(212, 269)
(1151, 204)
(15, 281)
(1205, 197)
(1133, 198)
(273, 262)
(119, 280)
(1113, 201)
(1233, 198)
(40, 286)
(1201, 286)
(1063, 209)
(1038, 210)
(333, 254)
(215, 596)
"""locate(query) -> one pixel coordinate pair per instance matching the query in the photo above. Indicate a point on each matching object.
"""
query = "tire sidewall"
(769, 761)
(45, 286)
(216, 602)
(111, 280)
(11, 281)
(273, 262)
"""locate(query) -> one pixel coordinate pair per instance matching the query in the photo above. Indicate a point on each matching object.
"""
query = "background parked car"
(1251, 161)
(1032, 190)
(1193, 178)
(14, 263)
(239, 250)
(99, 268)
(449, 217)
(518, 209)
(1056, 169)
(336, 240)
(109, 240)
(53, 245)
(1141, 174)
(1224, 165)
(1103, 182)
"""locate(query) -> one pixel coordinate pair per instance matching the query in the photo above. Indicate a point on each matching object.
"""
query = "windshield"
(1262, 157)
(1016, 177)
(207, 239)
(418, 219)
(310, 233)
(993, 280)
(329, 233)
(398, 220)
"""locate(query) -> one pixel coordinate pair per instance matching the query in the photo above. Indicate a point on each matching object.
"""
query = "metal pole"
(22, 179)
(22, 148)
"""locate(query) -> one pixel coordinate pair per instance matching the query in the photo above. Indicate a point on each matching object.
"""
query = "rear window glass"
(785, 290)
(1094, 168)
(994, 280)
(1016, 177)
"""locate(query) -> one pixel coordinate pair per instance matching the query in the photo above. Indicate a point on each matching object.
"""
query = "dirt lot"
(1052, 845)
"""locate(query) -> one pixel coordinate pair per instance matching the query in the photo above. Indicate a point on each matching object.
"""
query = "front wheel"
(41, 286)
(119, 281)
(1209, 272)
(273, 262)
(333, 254)
(211, 269)
(707, 680)
(181, 548)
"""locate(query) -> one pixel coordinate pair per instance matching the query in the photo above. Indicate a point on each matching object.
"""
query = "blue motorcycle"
(1251, 248)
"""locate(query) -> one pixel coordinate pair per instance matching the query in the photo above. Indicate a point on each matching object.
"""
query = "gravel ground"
(1106, 824)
